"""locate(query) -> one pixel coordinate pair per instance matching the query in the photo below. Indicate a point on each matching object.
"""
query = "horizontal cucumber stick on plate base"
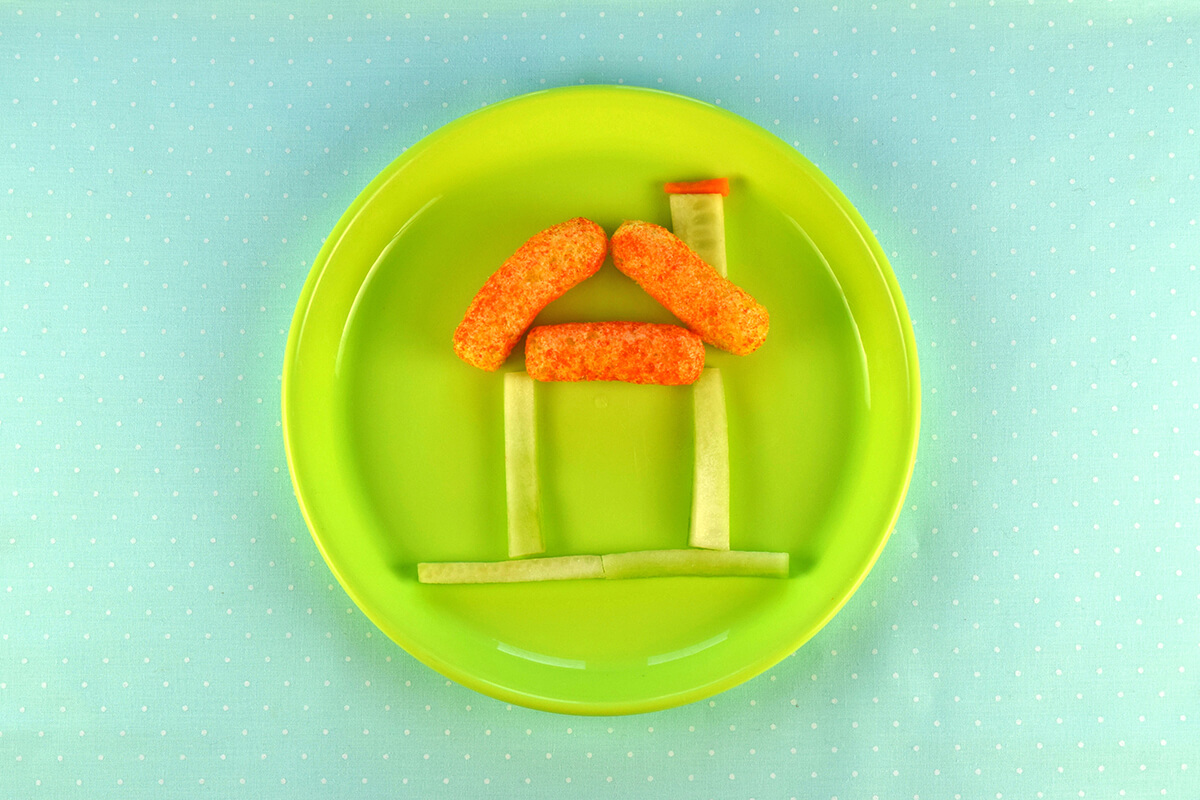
(613, 566)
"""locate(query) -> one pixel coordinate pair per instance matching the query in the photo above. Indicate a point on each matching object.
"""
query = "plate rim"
(606, 708)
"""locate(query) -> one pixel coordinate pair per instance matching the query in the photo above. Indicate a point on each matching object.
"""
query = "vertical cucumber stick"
(520, 466)
(699, 220)
(710, 484)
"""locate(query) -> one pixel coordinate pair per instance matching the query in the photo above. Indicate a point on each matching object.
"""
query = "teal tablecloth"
(167, 627)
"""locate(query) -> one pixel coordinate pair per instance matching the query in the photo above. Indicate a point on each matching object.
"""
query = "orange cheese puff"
(634, 352)
(541, 270)
(721, 312)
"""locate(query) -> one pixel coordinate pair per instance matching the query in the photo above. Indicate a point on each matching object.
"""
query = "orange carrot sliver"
(711, 186)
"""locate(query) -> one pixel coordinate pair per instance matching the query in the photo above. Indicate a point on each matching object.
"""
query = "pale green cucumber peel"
(699, 220)
(520, 466)
(615, 566)
(710, 485)
(558, 568)
(663, 563)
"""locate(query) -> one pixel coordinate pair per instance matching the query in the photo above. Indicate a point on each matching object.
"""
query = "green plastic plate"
(396, 447)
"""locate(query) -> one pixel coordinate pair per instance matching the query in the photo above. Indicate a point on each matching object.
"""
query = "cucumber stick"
(699, 220)
(558, 568)
(520, 466)
(710, 483)
(616, 566)
(665, 563)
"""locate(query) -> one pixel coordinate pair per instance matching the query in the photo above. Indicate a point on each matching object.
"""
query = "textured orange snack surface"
(541, 270)
(633, 352)
(723, 313)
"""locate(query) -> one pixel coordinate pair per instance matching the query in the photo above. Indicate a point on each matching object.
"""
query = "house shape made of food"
(698, 218)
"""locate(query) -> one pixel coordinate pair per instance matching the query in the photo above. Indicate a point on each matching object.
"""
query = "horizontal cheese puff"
(634, 352)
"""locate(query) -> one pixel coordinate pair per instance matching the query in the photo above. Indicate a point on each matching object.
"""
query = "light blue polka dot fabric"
(167, 174)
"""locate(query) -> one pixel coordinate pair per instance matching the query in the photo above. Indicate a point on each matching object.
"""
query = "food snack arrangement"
(686, 274)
